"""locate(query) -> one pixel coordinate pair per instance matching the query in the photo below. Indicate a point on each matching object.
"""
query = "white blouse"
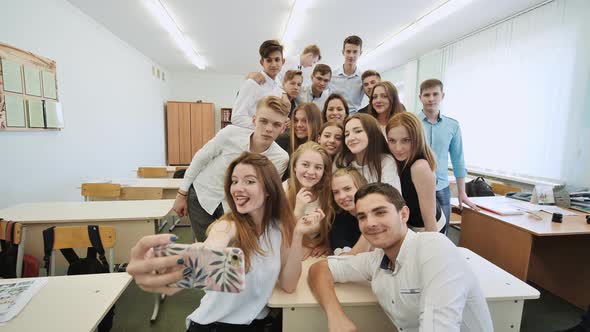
(388, 172)
(250, 304)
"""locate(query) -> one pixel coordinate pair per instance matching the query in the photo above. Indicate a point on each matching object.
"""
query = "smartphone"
(214, 270)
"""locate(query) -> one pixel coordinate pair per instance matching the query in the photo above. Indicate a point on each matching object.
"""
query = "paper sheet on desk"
(545, 208)
(14, 295)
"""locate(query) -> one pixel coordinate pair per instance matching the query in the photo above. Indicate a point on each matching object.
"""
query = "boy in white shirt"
(318, 91)
(201, 192)
(420, 279)
(271, 60)
(304, 62)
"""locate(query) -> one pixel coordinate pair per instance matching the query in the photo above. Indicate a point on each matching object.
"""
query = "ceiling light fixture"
(435, 15)
(294, 22)
(161, 14)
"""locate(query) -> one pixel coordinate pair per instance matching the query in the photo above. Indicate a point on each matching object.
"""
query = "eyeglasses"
(326, 80)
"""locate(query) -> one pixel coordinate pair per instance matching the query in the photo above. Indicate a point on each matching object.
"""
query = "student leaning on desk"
(420, 279)
(258, 223)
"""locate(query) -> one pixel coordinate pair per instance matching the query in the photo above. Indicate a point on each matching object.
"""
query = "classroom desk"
(169, 169)
(552, 255)
(169, 185)
(504, 293)
(70, 303)
(132, 220)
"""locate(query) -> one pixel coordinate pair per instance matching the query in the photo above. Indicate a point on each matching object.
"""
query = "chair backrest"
(152, 172)
(16, 232)
(101, 190)
(502, 189)
(140, 193)
(77, 237)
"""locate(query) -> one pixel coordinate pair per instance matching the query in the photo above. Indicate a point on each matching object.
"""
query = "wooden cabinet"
(189, 126)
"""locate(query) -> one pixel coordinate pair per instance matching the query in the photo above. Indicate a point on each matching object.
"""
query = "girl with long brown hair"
(416, 165)
(384, 103)
(308, 189)
(261, 226)
(365, 150)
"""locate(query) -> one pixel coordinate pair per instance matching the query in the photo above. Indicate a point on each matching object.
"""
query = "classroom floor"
(134, 308)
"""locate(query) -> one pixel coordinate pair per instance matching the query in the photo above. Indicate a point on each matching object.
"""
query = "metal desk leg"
(21, 252)
(158, 298)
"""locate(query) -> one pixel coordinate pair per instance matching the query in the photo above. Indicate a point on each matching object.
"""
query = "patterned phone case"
(215, 270)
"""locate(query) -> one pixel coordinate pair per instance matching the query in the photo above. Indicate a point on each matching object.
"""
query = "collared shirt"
(444, 137)
(306, 96)
(207, 169)
(294, 63)
(429, 288)
(250, 93)
(351, 87)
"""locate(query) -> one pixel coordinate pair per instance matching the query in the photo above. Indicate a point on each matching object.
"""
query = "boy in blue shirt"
(444, 136)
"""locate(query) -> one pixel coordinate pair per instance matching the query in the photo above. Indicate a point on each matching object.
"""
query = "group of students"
(290, 179)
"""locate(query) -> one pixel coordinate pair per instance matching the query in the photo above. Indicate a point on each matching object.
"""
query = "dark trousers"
(443, 197)
(199, 218)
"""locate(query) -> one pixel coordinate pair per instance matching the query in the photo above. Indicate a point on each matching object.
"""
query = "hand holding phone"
(210, 269)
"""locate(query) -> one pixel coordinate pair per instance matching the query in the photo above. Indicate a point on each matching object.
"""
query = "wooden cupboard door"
(172, 134)
(196, 142)
(184, 119)
(208, 123)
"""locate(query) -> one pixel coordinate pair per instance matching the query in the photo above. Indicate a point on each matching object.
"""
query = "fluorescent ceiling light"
(294, 23)
(166, 21)
(446, 9)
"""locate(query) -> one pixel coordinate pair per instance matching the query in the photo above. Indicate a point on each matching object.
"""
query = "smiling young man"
(318, 91)
(346, 79)
(420, 279)
(444, 136)
(251, 91)
(370, 78)
(201, 192)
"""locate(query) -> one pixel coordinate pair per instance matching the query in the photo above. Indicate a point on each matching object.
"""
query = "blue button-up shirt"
(351, 87)
(444, 138)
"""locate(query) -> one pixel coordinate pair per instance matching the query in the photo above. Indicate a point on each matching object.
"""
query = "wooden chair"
(77, 237)
(502, 189)
(152, 172)
(101, 190)
(18, 236)
(139, 193)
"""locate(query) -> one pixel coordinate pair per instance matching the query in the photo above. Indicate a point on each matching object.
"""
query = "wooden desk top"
(70, 303)
(571, 225)
(64, 212)
(169, 169)
(497, 285)
(164, 183)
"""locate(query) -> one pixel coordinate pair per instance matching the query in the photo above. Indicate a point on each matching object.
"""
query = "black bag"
(88, 265)
(8, 254)
(478, 188)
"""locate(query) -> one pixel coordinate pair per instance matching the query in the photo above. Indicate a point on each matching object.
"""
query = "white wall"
(113, 107)
(218, 89)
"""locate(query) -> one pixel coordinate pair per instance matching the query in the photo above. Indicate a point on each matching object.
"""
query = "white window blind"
(515, 87)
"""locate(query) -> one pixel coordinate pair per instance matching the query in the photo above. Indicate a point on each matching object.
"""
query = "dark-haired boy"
(370, 78)
(346, 80)
(318, 91)
(421, 280)
(271, 60)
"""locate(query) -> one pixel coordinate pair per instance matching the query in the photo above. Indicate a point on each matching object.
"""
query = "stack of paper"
(14, 295)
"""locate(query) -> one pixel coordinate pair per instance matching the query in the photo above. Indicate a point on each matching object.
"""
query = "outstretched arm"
(322, 286)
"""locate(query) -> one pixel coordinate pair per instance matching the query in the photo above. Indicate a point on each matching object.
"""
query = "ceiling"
(227, 33)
